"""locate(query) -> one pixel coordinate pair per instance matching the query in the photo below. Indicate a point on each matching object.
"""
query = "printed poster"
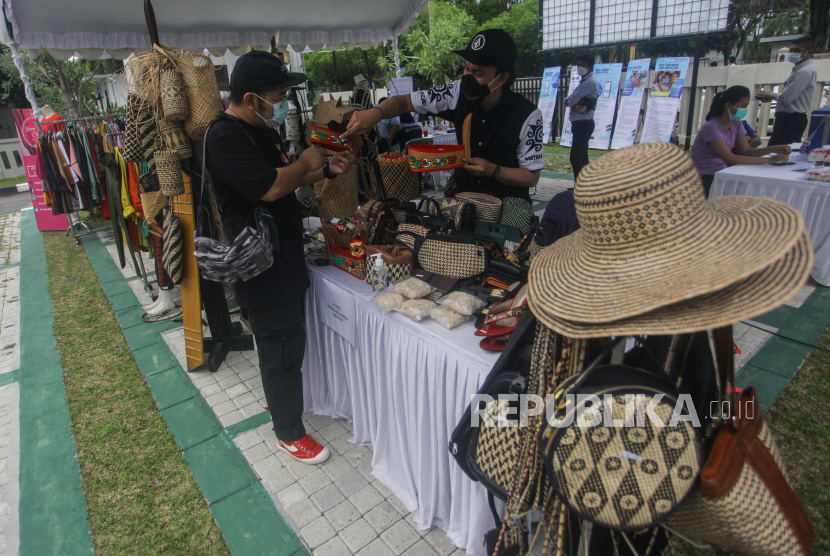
(335, 310)
(664, 99)
(628, 117)
(608, 78)
(547, 99)
(400, 86)
(27, 134)
(567, 134)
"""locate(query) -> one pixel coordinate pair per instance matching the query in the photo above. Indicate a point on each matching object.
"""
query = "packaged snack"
(389, 300)
(413, 288)
(416, 309)
(447, 318)
(462, 303)
(819, 173)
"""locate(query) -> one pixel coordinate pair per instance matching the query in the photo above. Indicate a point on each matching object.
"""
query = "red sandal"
(504, 317)
(494, 343)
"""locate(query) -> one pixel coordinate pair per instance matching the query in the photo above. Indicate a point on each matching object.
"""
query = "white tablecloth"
(788, 184)
(404, 385)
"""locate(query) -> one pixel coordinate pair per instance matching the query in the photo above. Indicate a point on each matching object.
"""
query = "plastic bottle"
(380, 273)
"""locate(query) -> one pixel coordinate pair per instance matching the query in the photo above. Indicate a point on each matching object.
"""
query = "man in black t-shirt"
(247, 164)
(506, 128)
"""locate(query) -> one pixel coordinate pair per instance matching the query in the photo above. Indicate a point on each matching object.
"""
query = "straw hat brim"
(729, 239)
(752, 296)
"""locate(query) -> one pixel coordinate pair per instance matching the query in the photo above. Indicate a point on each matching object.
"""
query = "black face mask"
(473, 90)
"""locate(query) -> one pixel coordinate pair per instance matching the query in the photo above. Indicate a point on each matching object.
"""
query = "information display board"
(664, 99)
(547, 98)
(628, 117)
(567, 134)
(608, 78)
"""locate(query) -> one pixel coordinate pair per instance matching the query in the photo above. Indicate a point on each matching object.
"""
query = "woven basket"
(152, 203)
(170, 173)
(398, 182)
(141, 131)
(175, 138)
(173, 96)
(488, 208)
(202, 92)
(338, 197)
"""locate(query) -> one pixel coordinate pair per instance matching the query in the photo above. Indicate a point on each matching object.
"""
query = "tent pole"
(691, 118)
(334, 62)
(17, 56)
(397, 57)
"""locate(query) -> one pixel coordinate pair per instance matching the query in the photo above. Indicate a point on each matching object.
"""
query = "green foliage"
(430, 49)
(795, 21)
(320, 68)
(11, 90)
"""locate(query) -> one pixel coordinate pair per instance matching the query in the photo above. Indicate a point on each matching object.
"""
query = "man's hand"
(362, 121)
(779, 158)
(342, 162)
(764, 96)
(313, 158)
(782, 149)
(479, 167)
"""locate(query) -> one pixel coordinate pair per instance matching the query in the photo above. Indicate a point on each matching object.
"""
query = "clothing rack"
(76, 221)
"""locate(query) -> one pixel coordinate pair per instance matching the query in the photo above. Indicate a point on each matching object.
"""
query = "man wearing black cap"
(506, 128)
(246, 160)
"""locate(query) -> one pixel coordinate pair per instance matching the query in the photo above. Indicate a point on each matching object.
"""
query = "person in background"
(733, 61)
(713, 64)
(796, 96)
(723, 132)
(409, 129)
(582, 102)
(752, 136)
(388, 128)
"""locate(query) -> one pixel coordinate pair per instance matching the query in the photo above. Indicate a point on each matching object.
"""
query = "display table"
(787, 184)
(404, 385)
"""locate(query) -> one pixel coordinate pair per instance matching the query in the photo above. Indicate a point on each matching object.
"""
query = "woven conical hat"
(754, 295)
(649, 239)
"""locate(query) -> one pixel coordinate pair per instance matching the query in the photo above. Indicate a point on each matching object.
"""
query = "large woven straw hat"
(653, 256)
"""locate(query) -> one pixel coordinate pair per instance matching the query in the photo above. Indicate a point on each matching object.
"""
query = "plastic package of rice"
(447, 318)
(413, 288)
(462, 303)
(416, 309)
(389, 300)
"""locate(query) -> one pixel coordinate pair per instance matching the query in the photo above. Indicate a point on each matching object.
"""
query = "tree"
(430, 49)
(745, 19)
(521, 21)
(12, 87)
(792, 22)
(819, 22)
(320, 67)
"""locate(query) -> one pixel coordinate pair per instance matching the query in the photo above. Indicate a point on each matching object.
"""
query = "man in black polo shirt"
(506, 131)
(246, 160)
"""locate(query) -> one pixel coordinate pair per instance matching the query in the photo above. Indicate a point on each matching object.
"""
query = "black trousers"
(707, 184)
(280, 342)
(582, 131)
(788, 128)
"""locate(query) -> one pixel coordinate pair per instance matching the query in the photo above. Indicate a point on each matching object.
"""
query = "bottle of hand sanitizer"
(380, 273)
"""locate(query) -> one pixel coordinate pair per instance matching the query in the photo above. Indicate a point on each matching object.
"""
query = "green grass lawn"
(800, 422)
(11, 182)
(560, 162)
(140, 493)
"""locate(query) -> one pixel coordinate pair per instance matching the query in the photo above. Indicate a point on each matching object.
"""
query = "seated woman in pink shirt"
(723, 132)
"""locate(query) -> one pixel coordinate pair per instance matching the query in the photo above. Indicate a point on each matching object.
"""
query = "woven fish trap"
(337, 198)
(175, 138)
(169, 169)
(398, 181)
(173, 95)
(202, 92)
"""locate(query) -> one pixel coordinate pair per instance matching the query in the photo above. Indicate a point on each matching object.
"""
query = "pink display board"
(27, 133)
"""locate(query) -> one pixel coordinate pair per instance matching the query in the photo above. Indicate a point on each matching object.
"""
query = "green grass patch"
(561, 162)
(800, 421)
(11, 182)
(140, 493)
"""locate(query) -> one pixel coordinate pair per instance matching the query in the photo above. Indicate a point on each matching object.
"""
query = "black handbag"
(432, 219)
(461, 213)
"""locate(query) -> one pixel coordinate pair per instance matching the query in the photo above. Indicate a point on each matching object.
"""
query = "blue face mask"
(280, 113)
(794, 57)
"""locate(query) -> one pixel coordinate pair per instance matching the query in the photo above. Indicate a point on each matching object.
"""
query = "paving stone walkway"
(10, 239)
(9, 320)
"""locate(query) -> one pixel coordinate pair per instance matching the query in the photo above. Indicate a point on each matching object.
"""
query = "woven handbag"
(625, 477)
(173, 97)
(169, 169)
(338, 197)
(451, 257)
(398, 181)
(517, 213)
(398, 260)
(172, 259)
(488, 208)
(744, 502)
(140, 131)
(202, 92)
(461, 213)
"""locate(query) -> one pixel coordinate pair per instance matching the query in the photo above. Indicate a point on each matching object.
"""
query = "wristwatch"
(496, 172)
(327, 172)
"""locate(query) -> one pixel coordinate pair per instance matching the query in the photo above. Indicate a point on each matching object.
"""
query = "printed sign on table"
(27, 134)
(547, 99)
(567, 134)
(634, 88)
(664, 99)
(608, 78)
(336, 310)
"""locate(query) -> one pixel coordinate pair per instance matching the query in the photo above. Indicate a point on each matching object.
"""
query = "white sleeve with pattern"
(438, 99)
(530, 153)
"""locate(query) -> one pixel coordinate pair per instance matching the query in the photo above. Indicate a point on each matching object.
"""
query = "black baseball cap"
(493, 47)
(258, 70)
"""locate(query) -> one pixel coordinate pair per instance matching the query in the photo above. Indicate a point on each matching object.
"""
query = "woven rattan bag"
(169, 170)
(172, 258)
(202, 92)
(141, 131)
(175, 138)
(517, 213)
(173, 96)
(398, 182)
(488, 208)
(338, 197)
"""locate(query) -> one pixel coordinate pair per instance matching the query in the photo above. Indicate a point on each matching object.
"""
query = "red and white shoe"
(305, 450)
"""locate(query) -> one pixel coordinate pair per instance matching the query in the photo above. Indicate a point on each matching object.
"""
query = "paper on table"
(337, 311)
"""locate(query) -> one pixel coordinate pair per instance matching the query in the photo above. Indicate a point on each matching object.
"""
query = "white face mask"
(582, 71)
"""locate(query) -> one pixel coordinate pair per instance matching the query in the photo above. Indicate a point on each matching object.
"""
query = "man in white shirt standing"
(796, 96)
